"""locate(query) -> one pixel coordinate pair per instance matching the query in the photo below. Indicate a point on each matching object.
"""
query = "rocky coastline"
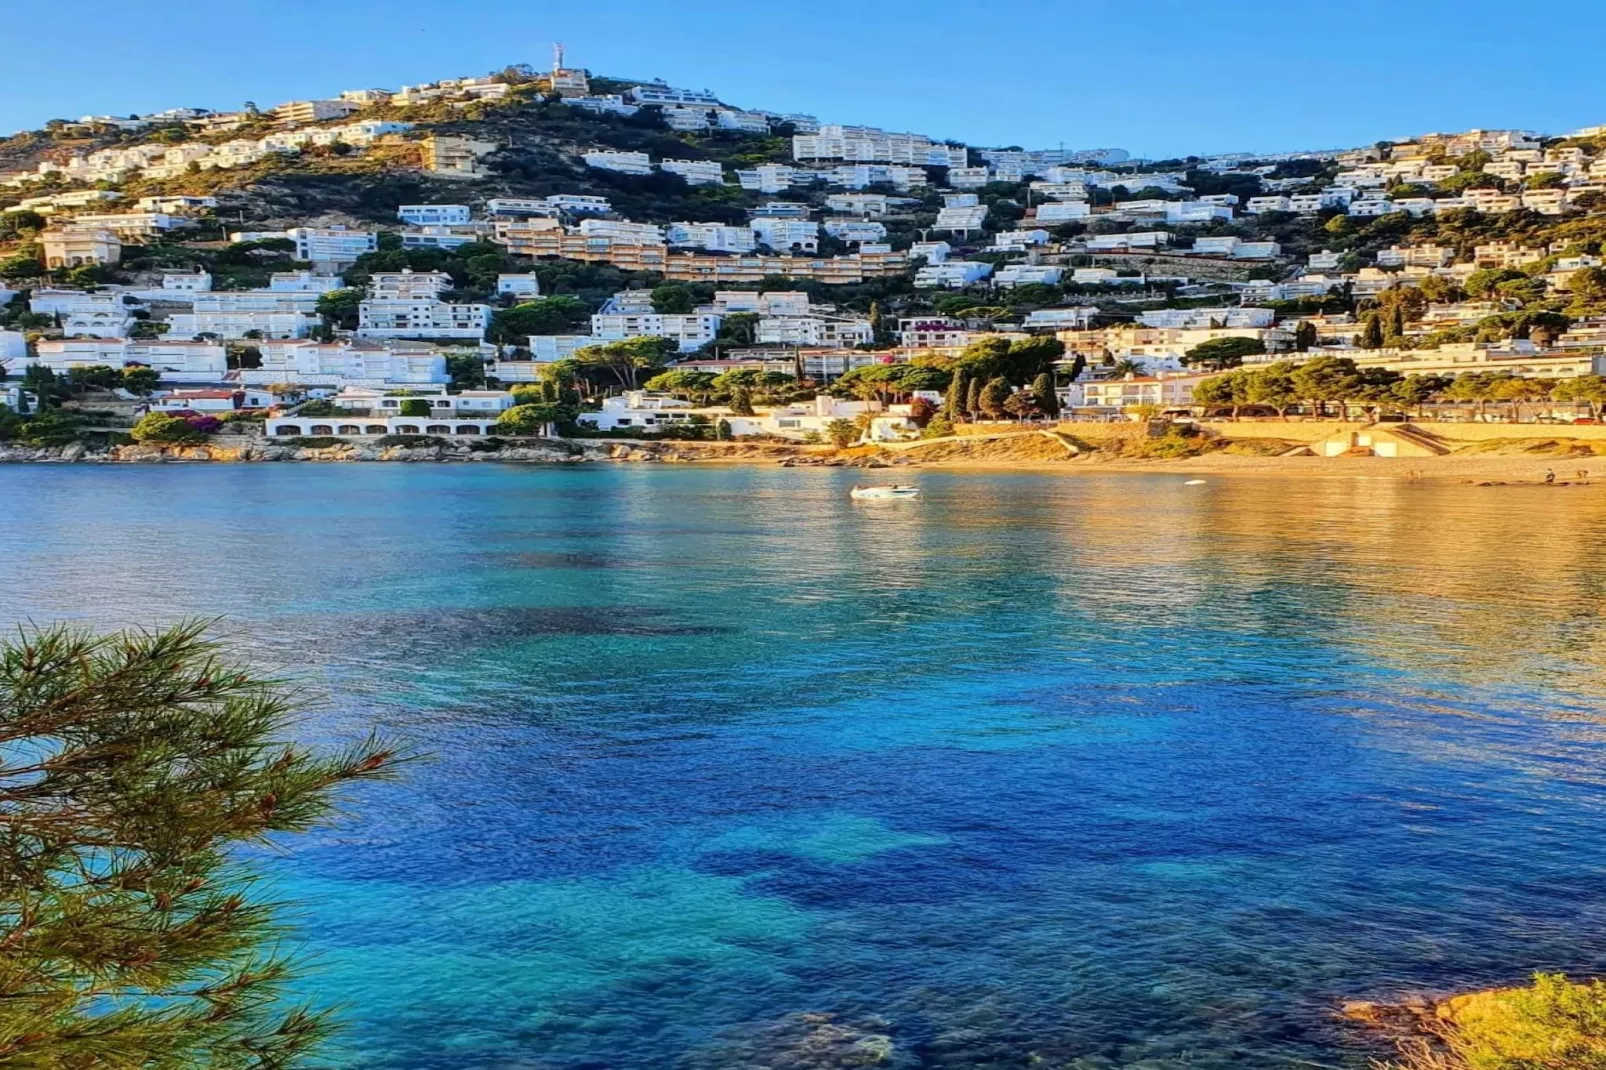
(546, 451)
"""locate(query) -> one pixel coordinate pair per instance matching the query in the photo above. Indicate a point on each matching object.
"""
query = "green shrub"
(165, 429)
(415, 407)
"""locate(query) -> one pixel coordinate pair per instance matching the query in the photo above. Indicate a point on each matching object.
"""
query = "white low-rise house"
(953, 274)
(521, 286)
(332, 246)
(968, 177)
(1137, 239)
(690, 330)
(1076, 318)
(132, 226)
(103, 314)
(388, 401)
(425, 215)
(1011, 275)
(1058, 213)
(639, 410)
(687, 120)
(662, 95)
(747, 122)
(786, 235)
(1326, 260)
(343, 363)
(607, 105)
(629, 163)
(715, 237)
(773, 178)
(855, 230)
(1016, 241)
(439, 237)
(520, 207)
(304, 282)
(186, 282)
(695, 172)
(1236, 248)
(935, 252)
(175, 203)
(213, 401)
(422, 318)
(580, 203)
(1186, 318)
(863, 204)
(1261, 205)
(348, 426)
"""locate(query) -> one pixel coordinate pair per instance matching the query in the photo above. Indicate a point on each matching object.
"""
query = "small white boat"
(894, 492)
(1194, 483)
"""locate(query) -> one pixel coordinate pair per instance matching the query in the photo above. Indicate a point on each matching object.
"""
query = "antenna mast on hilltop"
(557, 57)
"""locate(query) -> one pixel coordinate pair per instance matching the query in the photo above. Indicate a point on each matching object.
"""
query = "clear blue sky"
(1157, 77)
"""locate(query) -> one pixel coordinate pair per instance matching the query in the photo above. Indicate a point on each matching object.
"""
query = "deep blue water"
(1098, 771)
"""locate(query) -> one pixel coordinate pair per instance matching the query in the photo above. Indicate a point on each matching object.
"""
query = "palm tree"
(1126, 366)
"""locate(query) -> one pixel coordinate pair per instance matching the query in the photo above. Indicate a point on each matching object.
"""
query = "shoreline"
(1488, 468)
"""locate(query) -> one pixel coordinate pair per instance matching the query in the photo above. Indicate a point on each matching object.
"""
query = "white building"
(342, 363)
(855, 230)
(176, 361)
(425, 215)
(1011, 275)
(520, 286)
(953, 274)
(690, 330)
(332, 246)
(629, 163)
(715, 237)
(236, 325)
(422, 318)
(695, 172)
(1188, 318)
(784, 235)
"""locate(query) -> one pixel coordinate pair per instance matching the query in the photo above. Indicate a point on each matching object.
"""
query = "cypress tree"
(954, 402)
(1372, 335)
(1043, 395)
(973, 399)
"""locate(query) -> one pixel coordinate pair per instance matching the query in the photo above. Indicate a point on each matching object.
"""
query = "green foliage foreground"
(1553, 1024)
(133, 767)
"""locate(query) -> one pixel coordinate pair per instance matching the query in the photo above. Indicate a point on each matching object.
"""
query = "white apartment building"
(773, 303)
(176, 361)
(605, 105)
(303, 112)
(332, 246)
(715, 237)
(544, 349)
(861, 144)
(953, 274)
(691, 330)
(863, 176)
(968, 177)
(426, 215)
(270, 300)
(662, 95)
(687, 120)
(408, 285)
(1075, 318)
(786, 235)
(962, 219)
(422, 318)
(621, 231)
(695, 172)
(629, 163)
(342, 363)
(835, 331)
(236, 325)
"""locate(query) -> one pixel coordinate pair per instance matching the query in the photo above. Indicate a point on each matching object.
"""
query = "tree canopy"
(132, 767)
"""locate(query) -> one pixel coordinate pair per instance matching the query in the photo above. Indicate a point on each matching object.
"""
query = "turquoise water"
(1092, 771)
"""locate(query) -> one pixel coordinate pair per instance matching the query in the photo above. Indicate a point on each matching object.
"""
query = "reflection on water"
(1097, 771)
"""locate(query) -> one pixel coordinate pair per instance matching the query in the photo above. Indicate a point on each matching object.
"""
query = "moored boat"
(890, 492)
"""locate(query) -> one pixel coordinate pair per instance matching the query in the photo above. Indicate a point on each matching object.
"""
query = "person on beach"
(1550, 475)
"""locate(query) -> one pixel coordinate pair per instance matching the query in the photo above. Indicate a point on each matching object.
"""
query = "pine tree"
(133, 767)
(742, 401)
(973, 399)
